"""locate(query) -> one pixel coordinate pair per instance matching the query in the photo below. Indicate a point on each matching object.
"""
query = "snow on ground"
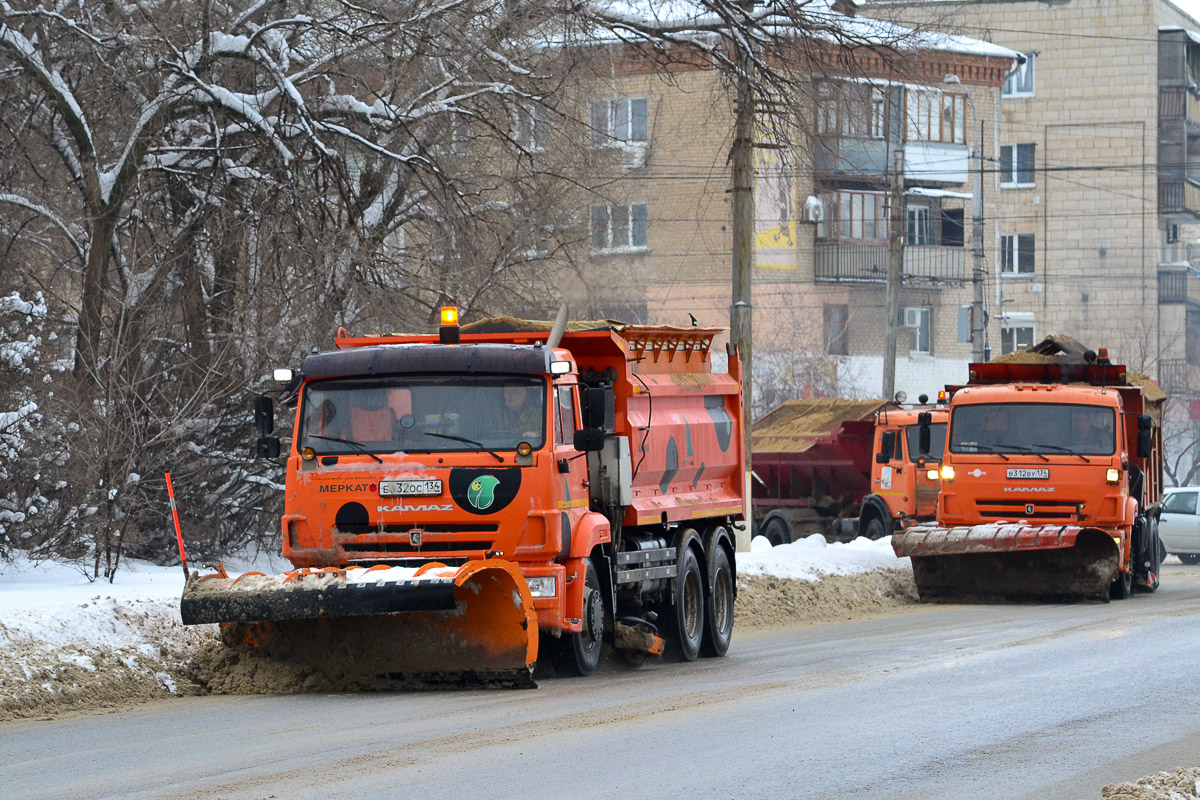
(811, 558)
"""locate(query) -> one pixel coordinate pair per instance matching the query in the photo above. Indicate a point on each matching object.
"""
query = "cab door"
(569, 464)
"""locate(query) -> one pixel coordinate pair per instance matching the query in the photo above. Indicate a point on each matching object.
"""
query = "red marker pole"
(178, 532)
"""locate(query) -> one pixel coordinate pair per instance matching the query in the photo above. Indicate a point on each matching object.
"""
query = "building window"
(1016, 165)
(935, 116)
(837, 326)
(1017, 254)
(855, 215)
(851, 109)
(920, 225)
(1016, 332)
(530, 130)
(615, 121)
(618, 227)
(918, 320)
(952, 227)
(1020, 83)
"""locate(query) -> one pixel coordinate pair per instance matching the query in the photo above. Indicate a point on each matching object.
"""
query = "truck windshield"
(1043, 428)
(423, 413)
(937, 441)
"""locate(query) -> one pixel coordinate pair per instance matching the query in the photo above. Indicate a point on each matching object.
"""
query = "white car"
(1179, 527)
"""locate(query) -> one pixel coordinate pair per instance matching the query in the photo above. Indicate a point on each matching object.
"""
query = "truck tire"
(718, 605)
(686, 616)
(777, 531)
(877, 529)
(577, 654)
(1122, 586)
(1150, 562)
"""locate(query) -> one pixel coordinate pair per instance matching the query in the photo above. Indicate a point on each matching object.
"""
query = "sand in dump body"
(1182, 784)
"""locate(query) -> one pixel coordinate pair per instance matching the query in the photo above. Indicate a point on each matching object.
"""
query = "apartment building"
(659, 241)
(1096, 224)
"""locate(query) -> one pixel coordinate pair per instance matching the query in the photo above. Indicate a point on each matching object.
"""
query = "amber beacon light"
(448, 332)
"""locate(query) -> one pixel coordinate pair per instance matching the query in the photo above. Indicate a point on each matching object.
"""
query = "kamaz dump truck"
(1051, 482)
(845, 468)
(456, 501)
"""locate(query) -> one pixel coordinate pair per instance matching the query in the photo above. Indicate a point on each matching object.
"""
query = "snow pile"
(67, 643)
(1182, 784)
(812, 557)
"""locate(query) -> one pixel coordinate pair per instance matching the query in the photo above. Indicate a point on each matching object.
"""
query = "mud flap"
(470, 626)
(986, 562)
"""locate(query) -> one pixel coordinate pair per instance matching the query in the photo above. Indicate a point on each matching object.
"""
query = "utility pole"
(741, 309)
(894, 272)
(977, 324)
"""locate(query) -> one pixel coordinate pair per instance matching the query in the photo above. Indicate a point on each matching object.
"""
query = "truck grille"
(394, 542)
(1019, 509)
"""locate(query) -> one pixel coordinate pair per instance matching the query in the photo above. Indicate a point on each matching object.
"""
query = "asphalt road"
(1010, 701)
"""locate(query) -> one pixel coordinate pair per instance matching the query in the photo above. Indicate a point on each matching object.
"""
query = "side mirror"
(592, 410)
(924, 419)
(589, 440)
(887, 446)
(267, 447)
(1145, 432)
(264, 415)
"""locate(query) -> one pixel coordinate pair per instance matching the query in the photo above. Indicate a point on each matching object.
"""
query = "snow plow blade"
(1010, 561)
(473, 625)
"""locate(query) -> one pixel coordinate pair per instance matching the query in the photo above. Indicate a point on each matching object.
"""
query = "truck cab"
(905, 478)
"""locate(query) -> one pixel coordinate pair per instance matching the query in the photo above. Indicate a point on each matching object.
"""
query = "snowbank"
(810, 558)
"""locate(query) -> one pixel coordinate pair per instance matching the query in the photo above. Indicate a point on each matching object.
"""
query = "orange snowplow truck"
(1051, 483)
(844, 468)
(456, 501)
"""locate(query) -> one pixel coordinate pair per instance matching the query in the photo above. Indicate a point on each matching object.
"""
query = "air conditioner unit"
(633, 154)
(912, 317)
(814, 210)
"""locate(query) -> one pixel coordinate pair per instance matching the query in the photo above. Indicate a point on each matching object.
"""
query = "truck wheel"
(777, 531)
(577, 654)
(1153, 555)
(1122, 586)
(876, 529)
(718, 606)
(687, 616)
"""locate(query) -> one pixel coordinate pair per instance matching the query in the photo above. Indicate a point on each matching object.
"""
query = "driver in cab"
(520, 414)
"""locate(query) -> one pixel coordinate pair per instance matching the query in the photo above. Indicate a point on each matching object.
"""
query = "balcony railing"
(1177, 196)
(1173, 375)
(867, 261)
(1178, 284)
(1179, 103)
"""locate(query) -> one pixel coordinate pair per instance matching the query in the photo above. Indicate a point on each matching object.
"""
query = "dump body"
(1047, 490)
(822, 468)
(413, 453)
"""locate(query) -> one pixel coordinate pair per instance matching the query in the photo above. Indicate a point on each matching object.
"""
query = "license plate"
(1028, 474)
(410, 488)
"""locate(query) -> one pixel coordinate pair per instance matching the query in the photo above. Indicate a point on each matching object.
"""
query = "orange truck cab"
(844, 468)
(1051, 483)
(602, 466)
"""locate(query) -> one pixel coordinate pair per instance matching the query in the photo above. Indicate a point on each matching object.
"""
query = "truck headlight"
(1114, 475)
(544, 586)
(947, 472)
(932, 474)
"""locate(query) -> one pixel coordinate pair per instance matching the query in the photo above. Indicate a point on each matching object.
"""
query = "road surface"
(1009, 701)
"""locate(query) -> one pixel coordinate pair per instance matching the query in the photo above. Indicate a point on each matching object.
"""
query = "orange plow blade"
(473, 625)
(1012, 561)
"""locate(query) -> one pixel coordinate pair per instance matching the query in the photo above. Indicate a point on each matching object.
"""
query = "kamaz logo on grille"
(420, 507)
(1029, 508)
(1029, 488)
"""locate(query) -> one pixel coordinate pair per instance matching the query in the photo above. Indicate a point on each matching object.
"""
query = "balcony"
(1178, 284)
(1173, 375)
(867, 262)
(1180, 104)
(1179, 199)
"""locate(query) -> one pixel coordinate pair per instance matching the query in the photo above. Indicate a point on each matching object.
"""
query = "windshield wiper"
(1020, 448)
(986, 449)
(362, 448)
(465, 440)
(1066, 450)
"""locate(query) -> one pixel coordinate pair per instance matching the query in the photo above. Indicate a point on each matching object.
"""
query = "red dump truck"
(1051, 482)
(844, 468)
(456, 501)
